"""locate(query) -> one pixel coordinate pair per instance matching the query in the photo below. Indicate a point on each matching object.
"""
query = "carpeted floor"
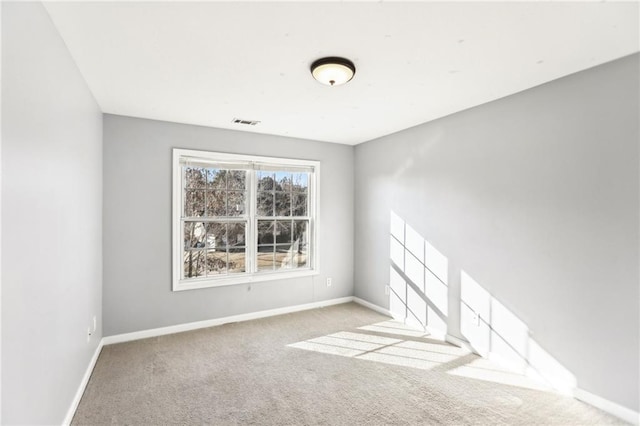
(340, 365)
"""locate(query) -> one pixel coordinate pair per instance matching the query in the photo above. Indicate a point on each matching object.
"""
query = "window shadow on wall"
(418, 279)
(495, 332)
(419, 295)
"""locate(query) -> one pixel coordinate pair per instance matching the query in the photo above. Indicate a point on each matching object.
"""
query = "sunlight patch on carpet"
(484, 369)
(395, 327)
(412, 348)
(387, 350)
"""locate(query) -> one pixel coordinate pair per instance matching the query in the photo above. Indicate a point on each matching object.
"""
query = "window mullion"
(252, 226)
(182, 214)
(312, 214)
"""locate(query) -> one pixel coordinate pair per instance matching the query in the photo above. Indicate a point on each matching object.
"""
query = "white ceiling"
(207, 63)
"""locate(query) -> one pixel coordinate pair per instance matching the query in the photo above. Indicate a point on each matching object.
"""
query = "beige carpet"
(341, 365)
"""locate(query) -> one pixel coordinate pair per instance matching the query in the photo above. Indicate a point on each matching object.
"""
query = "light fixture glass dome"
(333, 71)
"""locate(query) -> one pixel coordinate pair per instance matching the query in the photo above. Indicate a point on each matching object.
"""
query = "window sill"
(193, 284)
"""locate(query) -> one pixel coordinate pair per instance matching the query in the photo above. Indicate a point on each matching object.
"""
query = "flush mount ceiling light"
(333, 71)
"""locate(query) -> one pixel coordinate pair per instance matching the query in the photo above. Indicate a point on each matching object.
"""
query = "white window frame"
(252, 275)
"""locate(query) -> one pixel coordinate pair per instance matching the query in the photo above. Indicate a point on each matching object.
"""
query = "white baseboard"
(610, 407)
(456, 341)
(83, 384)
(604, 404)
(372, 306)
(144, 334)
(436, 333)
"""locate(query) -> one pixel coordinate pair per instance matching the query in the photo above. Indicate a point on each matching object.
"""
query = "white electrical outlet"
(476, 319)
(95, 323)
(328, 282)
(386, 290)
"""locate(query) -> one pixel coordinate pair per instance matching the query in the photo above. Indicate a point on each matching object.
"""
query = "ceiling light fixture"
(333, 71)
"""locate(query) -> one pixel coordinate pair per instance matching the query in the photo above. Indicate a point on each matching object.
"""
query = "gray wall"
(137, 226)
(530, 201)
(533, 202)
(51, 219)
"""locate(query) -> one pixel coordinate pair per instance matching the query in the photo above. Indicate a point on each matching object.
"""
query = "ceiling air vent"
(247, 122)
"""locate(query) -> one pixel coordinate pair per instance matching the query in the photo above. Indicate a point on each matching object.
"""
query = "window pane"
(236, 203)
(216, 203)
(300, 182)
(265, 258)
(236, 179)
(237, 260)
(216, 178)
(236, 234)
(265, 204)
(283, 181)
(265, 180)
(194, 264)
(300, 231)
(216, 262)
(300, 255)
(194, 234)
(190, 236)
(283, 204)
(216, 235)
(300, 246)
(265, 231)
(194, 177)
(284, 256)
(194, 203)
(300, 205)
(283, 231)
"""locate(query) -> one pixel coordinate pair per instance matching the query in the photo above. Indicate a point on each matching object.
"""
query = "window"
(239, 219)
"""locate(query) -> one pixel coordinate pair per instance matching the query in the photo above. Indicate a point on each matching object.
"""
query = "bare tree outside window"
(282, 206)
(241, 216)
(214, 221)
